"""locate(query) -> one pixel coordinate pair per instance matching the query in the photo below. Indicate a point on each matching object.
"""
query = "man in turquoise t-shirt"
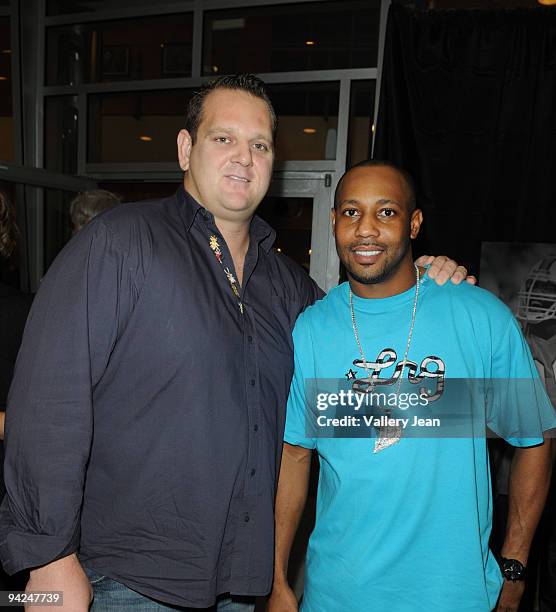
(404, 517)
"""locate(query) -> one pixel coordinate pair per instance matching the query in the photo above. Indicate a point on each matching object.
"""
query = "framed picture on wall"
(523, 275)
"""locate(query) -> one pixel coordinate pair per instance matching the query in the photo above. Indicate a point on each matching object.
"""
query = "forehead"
(236, 109)
(368, 184)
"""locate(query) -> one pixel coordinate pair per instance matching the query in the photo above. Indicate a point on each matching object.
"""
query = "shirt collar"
(260, 230)
(188, 206)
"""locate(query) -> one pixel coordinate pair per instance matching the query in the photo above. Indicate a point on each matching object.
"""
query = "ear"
(184, 149)
(416, 220)
(333, 220)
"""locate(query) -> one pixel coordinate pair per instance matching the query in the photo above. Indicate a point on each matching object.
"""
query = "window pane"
(134, 49)
(292, 219)
(62, 7)
(318, 35)
(307, 120)
(6, 111)
(134, 192)
(60, 134)
(361, 128)
(136, 127)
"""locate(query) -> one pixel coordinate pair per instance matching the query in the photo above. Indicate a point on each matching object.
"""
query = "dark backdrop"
(468, 106)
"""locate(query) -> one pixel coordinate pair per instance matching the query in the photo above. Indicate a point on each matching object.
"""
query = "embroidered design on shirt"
(215, 247)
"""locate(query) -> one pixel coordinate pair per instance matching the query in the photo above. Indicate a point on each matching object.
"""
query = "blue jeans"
(112, 596)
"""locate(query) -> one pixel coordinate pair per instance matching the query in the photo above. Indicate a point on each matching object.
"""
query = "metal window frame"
(17, 129)
(164, 8)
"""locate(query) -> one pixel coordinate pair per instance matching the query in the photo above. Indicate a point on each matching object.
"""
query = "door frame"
(324, 263)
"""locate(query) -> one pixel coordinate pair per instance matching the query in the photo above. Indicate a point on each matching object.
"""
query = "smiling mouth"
(367, 253)
(241, 179)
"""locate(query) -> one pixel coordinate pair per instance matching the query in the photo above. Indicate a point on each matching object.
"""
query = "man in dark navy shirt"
(152, 383)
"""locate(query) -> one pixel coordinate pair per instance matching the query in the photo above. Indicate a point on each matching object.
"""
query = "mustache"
(357, 245)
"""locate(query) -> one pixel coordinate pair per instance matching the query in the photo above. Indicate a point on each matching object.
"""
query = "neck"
(402, 279)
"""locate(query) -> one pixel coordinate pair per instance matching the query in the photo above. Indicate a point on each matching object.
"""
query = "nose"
(367, 227)
(242, 154)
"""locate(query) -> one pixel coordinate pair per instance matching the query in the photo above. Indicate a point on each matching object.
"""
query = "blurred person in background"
(88, 204)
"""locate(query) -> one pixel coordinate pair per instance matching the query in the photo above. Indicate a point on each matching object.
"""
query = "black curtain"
(468, 107)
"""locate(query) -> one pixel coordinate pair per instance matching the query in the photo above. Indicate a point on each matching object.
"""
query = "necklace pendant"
(388, 436)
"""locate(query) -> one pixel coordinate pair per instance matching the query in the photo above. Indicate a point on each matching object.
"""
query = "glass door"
(298, 208)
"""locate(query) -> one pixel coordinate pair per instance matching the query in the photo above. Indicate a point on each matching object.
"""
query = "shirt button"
(249, 338)
(252, 381)
(253, 472)
(246, 518)
(255, 427)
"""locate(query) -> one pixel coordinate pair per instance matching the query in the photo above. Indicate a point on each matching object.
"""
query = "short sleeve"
(519, 409)
(296, 413)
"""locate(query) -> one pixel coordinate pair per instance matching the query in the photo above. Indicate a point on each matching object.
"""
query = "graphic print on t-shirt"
(372, 372)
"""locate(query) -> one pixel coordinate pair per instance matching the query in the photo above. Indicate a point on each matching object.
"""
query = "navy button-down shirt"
(145, 419)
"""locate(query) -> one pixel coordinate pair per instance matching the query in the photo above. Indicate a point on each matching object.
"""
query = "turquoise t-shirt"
(407, 529)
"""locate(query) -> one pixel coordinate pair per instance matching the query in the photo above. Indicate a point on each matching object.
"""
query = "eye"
(387, 212)
(261, 146)
(222, 139)
(350, 212)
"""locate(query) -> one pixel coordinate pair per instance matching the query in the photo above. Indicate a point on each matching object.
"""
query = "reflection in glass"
(307, 120)
(60, 134)
(6, 111)
(292, 219)
(135, 127)
(309, 36)
(361, 117)
(130, 49)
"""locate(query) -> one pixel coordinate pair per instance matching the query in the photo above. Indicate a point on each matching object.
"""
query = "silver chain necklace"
(390, 434)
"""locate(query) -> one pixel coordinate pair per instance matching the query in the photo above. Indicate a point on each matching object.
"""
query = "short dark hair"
(88, 204)
(380, 163)
(248, 83)
(8, 228)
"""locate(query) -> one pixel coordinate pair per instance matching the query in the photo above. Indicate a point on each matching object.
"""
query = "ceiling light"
(215, 68)
(310, 130)
(3, 78)
(6, 51)
(279, 249)
(309, 43)
(310, 251)
(145, 138)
